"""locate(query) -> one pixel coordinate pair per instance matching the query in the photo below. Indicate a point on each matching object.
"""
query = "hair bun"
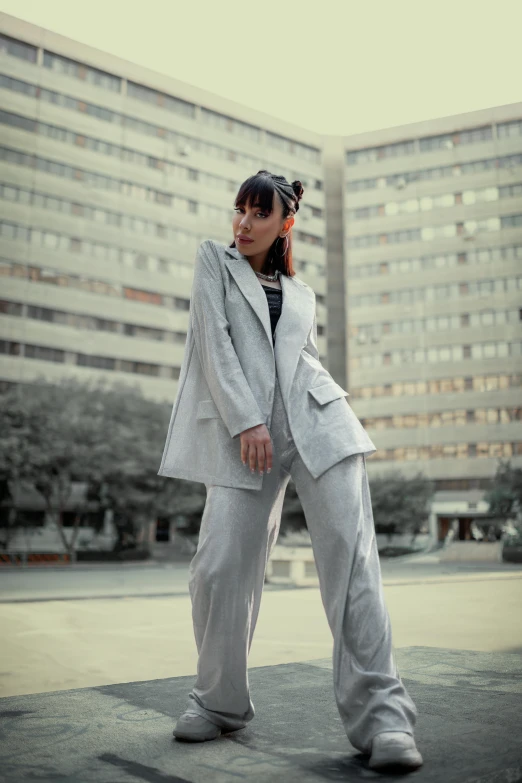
(298, 189)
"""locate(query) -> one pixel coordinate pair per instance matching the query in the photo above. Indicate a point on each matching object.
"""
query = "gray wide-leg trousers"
(239, 528)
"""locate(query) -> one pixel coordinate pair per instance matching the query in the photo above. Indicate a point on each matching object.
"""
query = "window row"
(456, 418)
(121, 153)
(36, 274)
(129, 155)
(90, 322)
(483, 255)
(401, 179)
(439, 353)
(509, 129)
(427, 203)
(254, 134)
(46, 354)
(467, 229)
(449, 451)
(450, 140)
(456, 385)
(136, 259)
(395, 150)
(181, 144)
(93, 180)
(291, 147)
(16, 48)
(143, 93)
(108, 81)
(68, 67)
(61, 64)
(100, 250)
(433, 293)
(374, 332)
(444, 141)
(50, 276)
(124, 222)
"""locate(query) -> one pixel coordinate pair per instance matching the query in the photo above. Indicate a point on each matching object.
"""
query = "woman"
(253, 395)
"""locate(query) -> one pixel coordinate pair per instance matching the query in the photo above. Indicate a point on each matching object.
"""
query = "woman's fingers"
(261, 454)
(255, 450)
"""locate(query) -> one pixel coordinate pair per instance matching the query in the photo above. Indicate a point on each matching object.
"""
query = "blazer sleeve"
(223, 372)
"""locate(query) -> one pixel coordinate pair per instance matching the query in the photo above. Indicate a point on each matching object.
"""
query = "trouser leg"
(370, 695)
(238, 530)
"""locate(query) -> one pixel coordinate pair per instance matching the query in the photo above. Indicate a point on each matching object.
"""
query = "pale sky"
(333, 66)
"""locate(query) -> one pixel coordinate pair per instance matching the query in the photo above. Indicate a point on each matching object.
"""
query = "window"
(15, 48)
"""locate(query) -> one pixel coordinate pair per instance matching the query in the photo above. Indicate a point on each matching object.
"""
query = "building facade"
(433, 264)
(111, 175)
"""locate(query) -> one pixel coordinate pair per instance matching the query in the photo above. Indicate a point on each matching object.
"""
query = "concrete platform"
(469, 728)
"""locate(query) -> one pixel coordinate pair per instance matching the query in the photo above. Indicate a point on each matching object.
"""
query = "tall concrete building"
(433, 271)
(111, 175)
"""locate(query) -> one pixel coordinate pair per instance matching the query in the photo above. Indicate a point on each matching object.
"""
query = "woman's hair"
(259, 191)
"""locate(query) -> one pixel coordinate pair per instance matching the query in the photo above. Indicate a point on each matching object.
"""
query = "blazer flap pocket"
(328, 392)
(207, 409)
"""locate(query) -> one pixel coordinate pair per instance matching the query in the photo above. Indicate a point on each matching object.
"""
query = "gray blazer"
(227, 377)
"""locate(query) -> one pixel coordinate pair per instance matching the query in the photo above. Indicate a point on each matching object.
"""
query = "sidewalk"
(469, 728)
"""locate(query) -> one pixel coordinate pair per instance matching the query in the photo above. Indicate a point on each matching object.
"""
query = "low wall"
(472, 551)
(292, 565)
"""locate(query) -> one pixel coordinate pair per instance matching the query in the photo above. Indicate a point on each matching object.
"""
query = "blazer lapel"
(295, 321)
(247, 281)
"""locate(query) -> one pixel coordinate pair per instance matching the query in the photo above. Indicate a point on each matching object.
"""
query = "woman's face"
(259, 226)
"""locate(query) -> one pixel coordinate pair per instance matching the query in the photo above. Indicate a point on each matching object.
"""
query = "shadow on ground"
(469, 728)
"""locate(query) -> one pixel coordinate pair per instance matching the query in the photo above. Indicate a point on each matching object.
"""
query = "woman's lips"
(245, 241)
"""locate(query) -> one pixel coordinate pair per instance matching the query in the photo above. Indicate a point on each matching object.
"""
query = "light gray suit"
(232, 379)
(227, 378)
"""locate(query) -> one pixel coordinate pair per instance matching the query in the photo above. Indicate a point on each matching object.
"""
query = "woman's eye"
(240, 209)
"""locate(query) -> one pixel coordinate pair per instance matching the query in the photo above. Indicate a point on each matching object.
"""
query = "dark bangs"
(258, 191)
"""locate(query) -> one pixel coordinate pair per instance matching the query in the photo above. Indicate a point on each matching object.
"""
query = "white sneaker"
(394, 748)
(195, 728)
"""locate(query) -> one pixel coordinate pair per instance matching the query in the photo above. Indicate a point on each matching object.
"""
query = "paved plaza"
(469, 728)
(97, 663)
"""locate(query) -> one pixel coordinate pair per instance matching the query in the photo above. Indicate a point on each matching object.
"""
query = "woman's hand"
(256, 443)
